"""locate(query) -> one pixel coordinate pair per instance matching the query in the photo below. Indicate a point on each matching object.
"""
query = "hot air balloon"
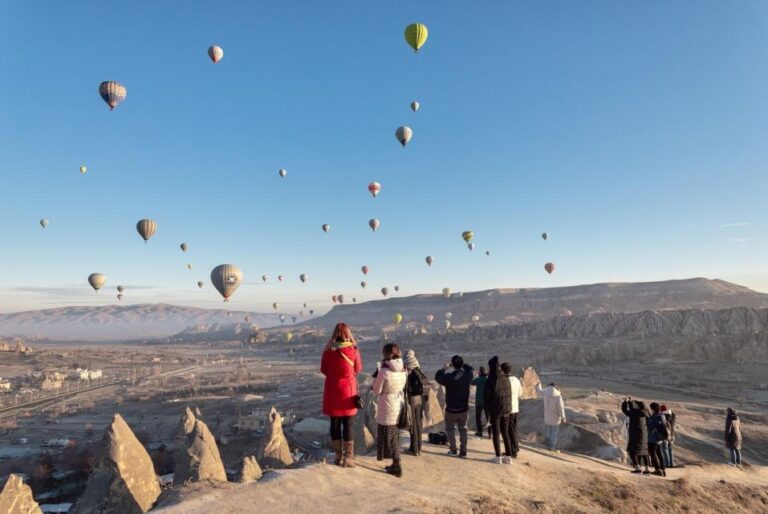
(404, 135)
(288, 337)
(430, 318)
(264, 278)
(374, 224)
(397, 289)
(471, 246)
(447, 324)
(415, 106)
(364, 269)
(447, 292)
(354, 299)
(549, 267)
(120, 289)
(429, 260)
(282, 318)
(384, 291)
(183, 247)
(416, 35)
(97, 280)
(475, 318)
(363, 284)
(200, 284)
(280, 278)
(275, 305)
(326, 227)
(340, 298)
(398, 318)
(487, 252)
(545, 236)
(119, 297)
(113, 93)
(215, 53)
(189, 266)
(226, 279)
(334, 298)
(44, 223)
(283, 172)
(303, 278)
(374, 188)
(305, 305)
(467, 236)
(311, 312)
(146, 229)
(83, 169)
(247, 318)
(448, 315)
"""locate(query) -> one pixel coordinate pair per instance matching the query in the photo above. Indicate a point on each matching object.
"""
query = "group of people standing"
(650, 436)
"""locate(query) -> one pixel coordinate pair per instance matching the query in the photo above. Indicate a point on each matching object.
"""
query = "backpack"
(440, 438)
(661, 428)
(415, 384)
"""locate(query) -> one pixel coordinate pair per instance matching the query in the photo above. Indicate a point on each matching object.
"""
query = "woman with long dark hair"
(340, 364)
(389, 386)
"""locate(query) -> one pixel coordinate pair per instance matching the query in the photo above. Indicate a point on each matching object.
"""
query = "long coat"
(637, 440)
(733, 432)
(340, 380)
(389, 386)
(497, 392)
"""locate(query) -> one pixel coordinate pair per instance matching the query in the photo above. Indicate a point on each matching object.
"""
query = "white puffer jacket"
(389, 386)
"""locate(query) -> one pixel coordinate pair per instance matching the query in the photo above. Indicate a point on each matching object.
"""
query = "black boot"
(395, 469)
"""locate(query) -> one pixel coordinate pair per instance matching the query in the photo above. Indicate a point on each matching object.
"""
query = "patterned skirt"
(388, 442)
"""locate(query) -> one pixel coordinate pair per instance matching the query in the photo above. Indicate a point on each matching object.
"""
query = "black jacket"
(497, 394)
(637, 442)
(456, 383)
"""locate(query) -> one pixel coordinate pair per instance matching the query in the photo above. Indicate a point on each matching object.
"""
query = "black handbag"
(404, 421)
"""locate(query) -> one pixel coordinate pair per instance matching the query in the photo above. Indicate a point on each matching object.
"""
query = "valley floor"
(538, 481)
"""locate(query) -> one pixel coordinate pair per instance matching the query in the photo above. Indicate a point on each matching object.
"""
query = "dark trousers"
(638, 460)
(479, 410)
(513, 438)
(654, 451)
(500, 425)
(341, 428)
(417, 408)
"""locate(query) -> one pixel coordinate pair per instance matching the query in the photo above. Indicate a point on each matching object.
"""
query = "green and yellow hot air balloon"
(397, 318)
(416, 35)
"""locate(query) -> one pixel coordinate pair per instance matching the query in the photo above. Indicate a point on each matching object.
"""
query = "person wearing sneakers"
(733, 436)
(389, 388)
(516, 390)
(554, 412)
(340, 364)
(456, 377)
(479, 383)
(417, 386)
(497, 398)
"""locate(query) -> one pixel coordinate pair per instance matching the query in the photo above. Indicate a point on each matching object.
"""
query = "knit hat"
(664, 409)
(410, 360)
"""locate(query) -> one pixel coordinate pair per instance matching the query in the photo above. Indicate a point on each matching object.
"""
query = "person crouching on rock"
(340, 364)
(637, 433)
(389, 388)
(418, 386)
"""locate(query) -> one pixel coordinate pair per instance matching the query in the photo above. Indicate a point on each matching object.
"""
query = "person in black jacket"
(497, 398)
(417, 386)
(457, 382)
(658, 433)
(637, 440)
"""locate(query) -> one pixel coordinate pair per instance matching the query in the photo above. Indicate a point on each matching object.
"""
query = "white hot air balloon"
(415, 106)
(97, 280)
(215, 53)
(374, 224)
(404, 135)
(303, 277)
(326, 227)
(448, 315)
(283, 172)
(44, 223)
(447, 292)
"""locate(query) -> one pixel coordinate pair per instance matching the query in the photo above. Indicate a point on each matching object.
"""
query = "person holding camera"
(456, 377)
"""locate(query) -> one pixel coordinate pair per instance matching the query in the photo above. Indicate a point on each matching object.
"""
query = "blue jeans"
(735, 456)
(666, 453)
(553, 431)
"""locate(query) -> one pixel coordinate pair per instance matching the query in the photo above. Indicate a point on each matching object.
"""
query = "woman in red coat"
(340, 364)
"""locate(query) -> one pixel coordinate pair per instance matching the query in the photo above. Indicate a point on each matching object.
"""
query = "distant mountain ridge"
(523, 305)
(120, 322)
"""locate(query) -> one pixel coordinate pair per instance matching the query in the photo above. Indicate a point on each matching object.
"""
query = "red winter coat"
(340, 381)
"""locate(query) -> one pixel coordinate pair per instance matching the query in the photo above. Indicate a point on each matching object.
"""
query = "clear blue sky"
(635, 133)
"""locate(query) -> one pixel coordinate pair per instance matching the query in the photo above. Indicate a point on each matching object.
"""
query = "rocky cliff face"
(123, 478)
(200, 459)
(520, 305)
(16, 497)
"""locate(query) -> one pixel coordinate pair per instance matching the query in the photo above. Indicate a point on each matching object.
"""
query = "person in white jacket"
(554, 412)
(389, 387)
(517, 390)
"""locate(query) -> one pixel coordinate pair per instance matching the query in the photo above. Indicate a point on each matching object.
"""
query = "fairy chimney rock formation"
(274, 451)
(16, 497)
(123, 478)
(186, 425)
(200, 460)
(433, 411)
(529, 381)
(250, 471)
